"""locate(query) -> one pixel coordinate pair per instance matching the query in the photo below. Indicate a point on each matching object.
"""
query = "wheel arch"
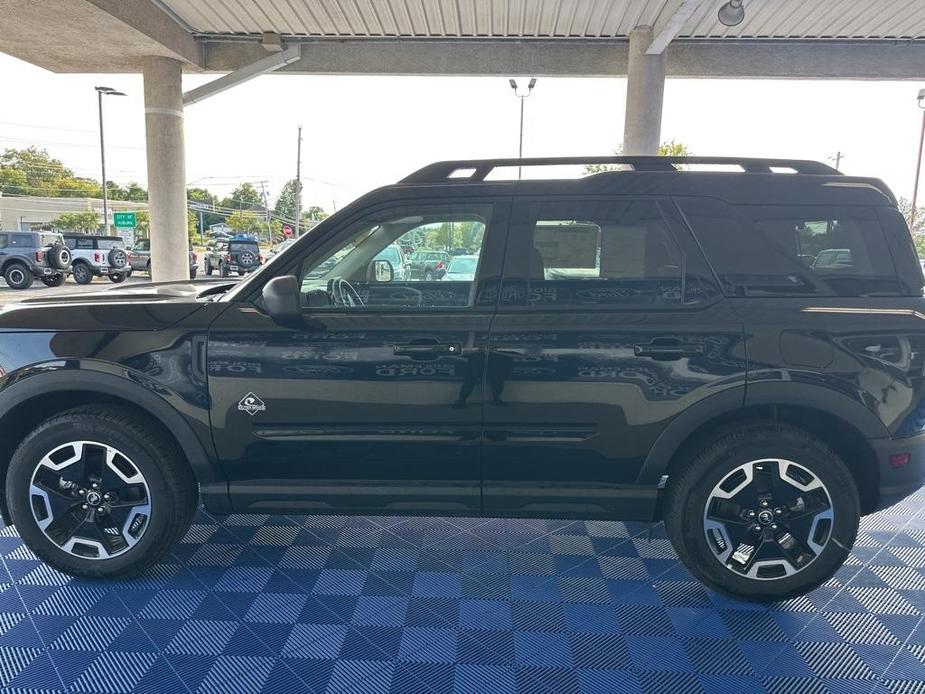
(34, 398)
(843, 424)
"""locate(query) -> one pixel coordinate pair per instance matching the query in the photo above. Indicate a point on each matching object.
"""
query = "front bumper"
(897, 479)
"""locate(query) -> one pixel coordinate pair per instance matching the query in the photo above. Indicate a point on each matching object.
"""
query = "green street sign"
(123, 220)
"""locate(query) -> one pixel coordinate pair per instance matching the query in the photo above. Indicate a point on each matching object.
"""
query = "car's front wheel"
(764, 512)
(97, 492)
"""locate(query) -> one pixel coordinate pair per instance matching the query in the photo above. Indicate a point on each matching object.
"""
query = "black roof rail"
(443, 171)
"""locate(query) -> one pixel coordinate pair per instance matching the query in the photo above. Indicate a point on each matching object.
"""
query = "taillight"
(228, 257)
(40, 256)
(440, 265)
(98, 257)
(128, 255)
(259, 258)
(195, 258)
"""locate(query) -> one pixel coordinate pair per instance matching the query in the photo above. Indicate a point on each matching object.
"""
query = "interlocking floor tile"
(330, 604)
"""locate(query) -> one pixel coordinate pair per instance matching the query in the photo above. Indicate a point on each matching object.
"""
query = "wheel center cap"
(94, 498)
(765, 517)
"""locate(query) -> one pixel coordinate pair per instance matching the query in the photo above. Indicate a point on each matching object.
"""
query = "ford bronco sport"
(655, 342)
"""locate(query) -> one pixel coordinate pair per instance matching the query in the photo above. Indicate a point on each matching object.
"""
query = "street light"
(108, 91)
(918, 162)
(522, 97)
(732, 13)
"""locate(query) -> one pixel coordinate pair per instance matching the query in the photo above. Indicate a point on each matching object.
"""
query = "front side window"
(21, 241)
(370, 265)
(83, 243)
(599, 253)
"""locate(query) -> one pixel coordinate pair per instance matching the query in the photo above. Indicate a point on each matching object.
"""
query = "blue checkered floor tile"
(468, 605)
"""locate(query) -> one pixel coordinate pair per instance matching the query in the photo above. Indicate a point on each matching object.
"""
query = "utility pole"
(298, 183)
(266, 207)
(918, 162)
(838, 157)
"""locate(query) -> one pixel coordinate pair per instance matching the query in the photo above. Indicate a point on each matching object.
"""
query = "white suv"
(98, 256)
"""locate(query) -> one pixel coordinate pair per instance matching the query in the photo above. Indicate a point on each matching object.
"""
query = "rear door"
(609, 326)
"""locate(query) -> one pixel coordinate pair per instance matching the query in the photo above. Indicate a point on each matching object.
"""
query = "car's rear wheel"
(117, 277)
(208, 266)
(82, 274)
(97, 492)
(764, 512)
(18, 276)
(192, 272)
(55, 280)
(429, 275)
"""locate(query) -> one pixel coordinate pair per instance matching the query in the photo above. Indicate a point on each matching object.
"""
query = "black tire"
(690, 488)
(59, 257)
(223, 270)
(18, 276)
(192, 272)
(429, 276)
(117, 277)
(173, 492)
(208, 266)
(241, 273)
(148, 268)
(82, 273)
(117, 258)
(55, 280)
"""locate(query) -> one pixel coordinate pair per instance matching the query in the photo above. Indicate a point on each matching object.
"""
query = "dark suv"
(650, 343)
(238, 254)
(29, 255)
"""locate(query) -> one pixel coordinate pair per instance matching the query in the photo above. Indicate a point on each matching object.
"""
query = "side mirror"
(281, 298)
(382, 271)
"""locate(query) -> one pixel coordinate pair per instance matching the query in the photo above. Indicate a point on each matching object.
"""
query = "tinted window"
(605, 253)
(347, 266)
(242, 246)
(784, 250)
(82, 243)
(21, 241)
(4, 240)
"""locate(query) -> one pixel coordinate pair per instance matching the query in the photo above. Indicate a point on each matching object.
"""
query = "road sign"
(287, 230)
(123, 220)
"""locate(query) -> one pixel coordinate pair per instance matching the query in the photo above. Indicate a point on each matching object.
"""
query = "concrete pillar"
(166, 169)
(645, 91)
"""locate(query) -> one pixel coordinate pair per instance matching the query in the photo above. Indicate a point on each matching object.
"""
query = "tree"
(669, 148)
(905, 209)
(135, 192)
(44, 176)
(244, 222)
(287, 202)
(204, 197)
(77, 221)
(142, 224)
(314, 214)
(243, 197)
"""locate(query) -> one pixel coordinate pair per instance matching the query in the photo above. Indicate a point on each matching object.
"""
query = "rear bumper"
(897, 481)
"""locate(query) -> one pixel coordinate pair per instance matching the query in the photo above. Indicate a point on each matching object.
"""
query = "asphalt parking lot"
(8, 296)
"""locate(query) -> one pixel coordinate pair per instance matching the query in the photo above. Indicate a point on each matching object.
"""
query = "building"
(24, 213)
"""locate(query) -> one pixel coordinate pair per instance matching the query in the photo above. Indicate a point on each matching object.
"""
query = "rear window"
(242, 246)
(788, 250)
(109, 244)
(463, 265)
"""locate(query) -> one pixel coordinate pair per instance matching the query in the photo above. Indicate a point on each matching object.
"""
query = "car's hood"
(148, 306)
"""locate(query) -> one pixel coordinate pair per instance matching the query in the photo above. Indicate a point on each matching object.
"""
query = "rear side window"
(599, 253)
(789, 250)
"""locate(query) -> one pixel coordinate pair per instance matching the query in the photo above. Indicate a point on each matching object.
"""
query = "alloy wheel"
(768, 519)
(90, 499)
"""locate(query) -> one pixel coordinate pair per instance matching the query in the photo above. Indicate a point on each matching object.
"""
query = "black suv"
(29, 255)
(652, 343)
(238, 254)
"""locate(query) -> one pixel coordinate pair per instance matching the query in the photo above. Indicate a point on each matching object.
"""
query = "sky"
(363, 132)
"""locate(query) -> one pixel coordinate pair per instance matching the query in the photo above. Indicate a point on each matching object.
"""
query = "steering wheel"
(343, 294)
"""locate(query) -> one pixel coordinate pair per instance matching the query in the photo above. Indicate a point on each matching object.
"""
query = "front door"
(609, 326)
(373, 403)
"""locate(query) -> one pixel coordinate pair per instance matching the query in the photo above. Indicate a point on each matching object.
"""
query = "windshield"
(463, 265)
(390, 253)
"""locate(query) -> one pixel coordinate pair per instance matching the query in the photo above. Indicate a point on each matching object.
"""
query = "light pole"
(918, 161)
(108, 91)
(522, 96)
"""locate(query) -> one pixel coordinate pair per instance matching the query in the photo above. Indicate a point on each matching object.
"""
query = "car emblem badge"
(251, 404)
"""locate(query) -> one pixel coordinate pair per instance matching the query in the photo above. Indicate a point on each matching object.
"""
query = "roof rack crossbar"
(443, 171)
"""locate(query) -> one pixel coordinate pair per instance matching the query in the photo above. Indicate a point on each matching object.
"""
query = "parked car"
(462, 268)
(280, 247)
(139, 258)
(29, 255)
(98, 256)
(637, 344)
(396, 258)
(239, 254)
(428, 265)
